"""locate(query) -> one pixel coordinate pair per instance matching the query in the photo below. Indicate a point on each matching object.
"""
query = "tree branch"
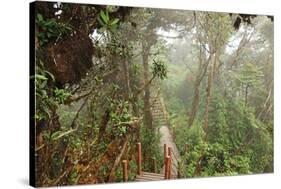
(144, 86)
(128, 123)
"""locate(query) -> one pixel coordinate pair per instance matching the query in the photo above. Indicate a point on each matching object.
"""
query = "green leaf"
(39, 17)
(110, 8)
(104, 17)
(43, 84)
(49, 22)
(46, 135)
(68, 28)
(123, 129)
(101, 22)
(115, 21)
(38, 117)
(40, 77)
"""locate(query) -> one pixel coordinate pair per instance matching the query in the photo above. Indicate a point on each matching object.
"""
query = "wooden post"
(154, 165)
(170, 162)
(125, 170)
(167, 160)
(170, 168)
(169, 151)
(139, 158)
(165, 152)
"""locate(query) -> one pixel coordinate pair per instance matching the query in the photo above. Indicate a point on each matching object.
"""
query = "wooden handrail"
(168, 153)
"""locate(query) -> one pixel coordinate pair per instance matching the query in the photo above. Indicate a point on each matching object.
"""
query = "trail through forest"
(159, 113)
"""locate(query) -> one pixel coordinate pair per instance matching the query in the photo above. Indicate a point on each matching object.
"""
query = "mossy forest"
(114, 84)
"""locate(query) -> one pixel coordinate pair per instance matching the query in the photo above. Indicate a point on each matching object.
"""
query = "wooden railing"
(167, 164)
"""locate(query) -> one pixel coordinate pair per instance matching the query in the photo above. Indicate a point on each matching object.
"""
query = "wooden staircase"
(158, 111)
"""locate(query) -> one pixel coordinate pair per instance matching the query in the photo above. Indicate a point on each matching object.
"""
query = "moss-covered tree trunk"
(147, 112)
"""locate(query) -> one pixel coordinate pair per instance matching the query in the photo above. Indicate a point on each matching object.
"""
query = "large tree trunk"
(267, 103)
(208, 98)
(195, 102)
(147, 112)
(125, 62)
(125, 65)
(147, 120)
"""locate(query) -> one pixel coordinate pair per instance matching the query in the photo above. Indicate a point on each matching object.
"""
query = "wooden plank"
(151, 176)
(147, 174)
(141, 180)
(148, 179)
(154, 174)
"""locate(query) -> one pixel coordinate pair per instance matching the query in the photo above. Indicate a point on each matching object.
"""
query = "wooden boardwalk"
(160, 114)
(148, 176)
(170, 152)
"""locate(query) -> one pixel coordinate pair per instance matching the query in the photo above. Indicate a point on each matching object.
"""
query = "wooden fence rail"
(146, 176)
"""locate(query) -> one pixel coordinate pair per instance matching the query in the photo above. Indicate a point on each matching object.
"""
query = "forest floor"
(167, 138)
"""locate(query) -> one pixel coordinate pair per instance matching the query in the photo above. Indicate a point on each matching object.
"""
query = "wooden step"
(142, 178)
(152, 174)
(146, 176)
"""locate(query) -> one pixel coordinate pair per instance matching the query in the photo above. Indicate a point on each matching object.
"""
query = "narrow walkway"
(167, 138)
(160, 114)
(160, 117)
